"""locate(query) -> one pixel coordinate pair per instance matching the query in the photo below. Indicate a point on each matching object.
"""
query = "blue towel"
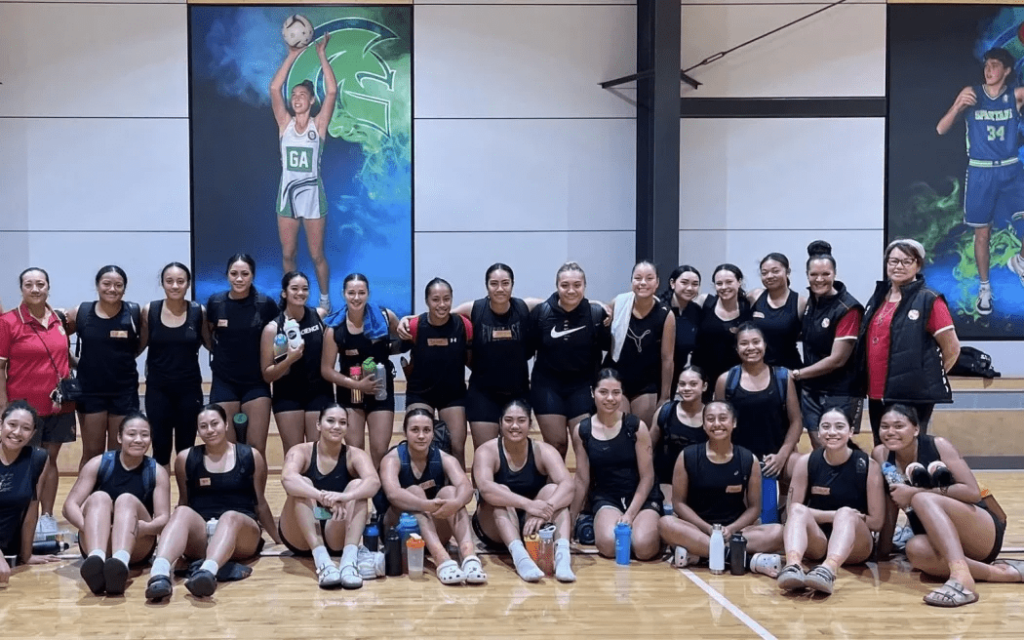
(375, 323)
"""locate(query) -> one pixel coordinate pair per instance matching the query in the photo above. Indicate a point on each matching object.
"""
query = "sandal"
(1018, 566)
(951, 594)
(791, 578)
(449, 573)
(328, 576)
(821, 579)
(474, 571)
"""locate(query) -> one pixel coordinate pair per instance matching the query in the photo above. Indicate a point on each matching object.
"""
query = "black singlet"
(761, 418)
(173, 354)
(433, 477)
(354, 348)
(831, 488)
(781, 328)
(568, 343)
(439, 357)
(501, 348)
(128, 481)
(107, 363)
(717, 492)
(18, 482)
(212, 494)
(526, 482)
(688, 320)
(237, 328)
(716, 351)
(303, 379)
(639, 362)
(334, 480)
(675, 436)
(614, 470)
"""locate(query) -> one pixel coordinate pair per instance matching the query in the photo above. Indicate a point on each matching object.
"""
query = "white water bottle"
(716, 551)
(291, 329)
(380, 386)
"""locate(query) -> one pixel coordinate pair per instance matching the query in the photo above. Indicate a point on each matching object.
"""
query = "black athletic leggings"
(173, 411)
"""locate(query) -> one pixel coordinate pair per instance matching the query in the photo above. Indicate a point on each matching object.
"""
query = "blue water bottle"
(623, 543)
(407, 525)
(769, 498)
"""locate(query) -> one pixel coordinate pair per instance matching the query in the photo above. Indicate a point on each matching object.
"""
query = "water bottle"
(737, 554)
(716, 561)
(894, 477)
(407, 525)
(49, 547)
(380, 382)
(356, 373)
(769, 498)
(370, 537)
(414, 551)
(393, 553)
(291, 329)
(547, 549)
(241, 423)
(532, 544)
(280, 347)
(623, 543)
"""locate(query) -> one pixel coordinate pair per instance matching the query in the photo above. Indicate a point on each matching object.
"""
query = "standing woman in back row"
(684, 299)
(235, 318)
(721, 316)
(643, 344)
(174, 329)
(110, 338)
(777, 311)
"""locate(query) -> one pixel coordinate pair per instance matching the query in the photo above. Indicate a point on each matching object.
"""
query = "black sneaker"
(116, 575)
(92, 573)
(158, 588)
(202, 584)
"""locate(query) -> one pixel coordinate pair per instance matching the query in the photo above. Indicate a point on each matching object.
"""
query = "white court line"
(729, 606)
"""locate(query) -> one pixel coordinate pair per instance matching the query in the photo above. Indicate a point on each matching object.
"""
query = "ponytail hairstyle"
(820, 250)
(669, 291)
(781, 259)
(734, 270)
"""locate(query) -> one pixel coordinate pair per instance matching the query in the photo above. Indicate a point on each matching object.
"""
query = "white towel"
(620, 322)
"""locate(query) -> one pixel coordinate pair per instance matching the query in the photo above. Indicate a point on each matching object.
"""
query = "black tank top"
(501, 348)
(568, 343)
(128, 481)
(303, 378)
(18, 482)
(334, 480)
(639, 361)
(927, 452)
(438, 356)
(237, 328)
(173, 354)
(107, 363)
(433, 477)
(526, 482)
(781, 328)
(212, 494)
(831, 488)
(717, 492)
(675, 436)
(354, 348)
(716, 351)
(614, 471)
(688, 321)
(761, 417)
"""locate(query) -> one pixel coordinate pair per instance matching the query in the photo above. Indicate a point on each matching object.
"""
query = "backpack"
(107, 469)
(733, 382)
(974, 362)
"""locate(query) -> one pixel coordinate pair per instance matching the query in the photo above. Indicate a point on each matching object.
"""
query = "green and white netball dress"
(301, 194)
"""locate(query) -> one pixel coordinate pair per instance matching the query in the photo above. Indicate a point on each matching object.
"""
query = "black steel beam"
(807, 107)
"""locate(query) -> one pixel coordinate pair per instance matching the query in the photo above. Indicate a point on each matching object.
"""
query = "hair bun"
(819, 248)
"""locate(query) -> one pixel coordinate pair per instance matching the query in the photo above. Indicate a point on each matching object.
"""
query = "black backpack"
(975, 363)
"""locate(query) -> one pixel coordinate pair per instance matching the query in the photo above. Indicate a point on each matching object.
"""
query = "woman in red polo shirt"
(33, 359)
(907, 340)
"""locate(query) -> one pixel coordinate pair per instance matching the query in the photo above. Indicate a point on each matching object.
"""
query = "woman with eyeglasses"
(907, 342)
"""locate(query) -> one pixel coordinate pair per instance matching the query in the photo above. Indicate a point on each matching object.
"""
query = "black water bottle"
(737, 554)
(393, 553)
(49, 547)
(241, 423)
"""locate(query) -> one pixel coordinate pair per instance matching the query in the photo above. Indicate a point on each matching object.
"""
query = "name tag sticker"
(119, 334)
(821, 491)
(437, 342)
(351, 352)
(758, 314)
(223, 322)
(204, 482)
(734, 488)
(501, 334)
(429, 484)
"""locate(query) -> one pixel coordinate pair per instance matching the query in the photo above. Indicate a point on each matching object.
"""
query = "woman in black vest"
(119, 504)
(838, 502)
(436, 374)
(362, 331)
(222, 512)
(679, 424)
(523, 485)
(328, 484)
(777, 311)
(109, 337)
(235, 319)
(958, 533)
(907, 341)
(615, 471)
(569, 335)
(830, 325)
(299, 391)
(684, 299)
(721, 316)
(718, 482)
(173, 329)
(420, 479)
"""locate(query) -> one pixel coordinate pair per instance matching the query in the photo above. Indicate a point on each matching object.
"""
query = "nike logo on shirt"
(561, 334)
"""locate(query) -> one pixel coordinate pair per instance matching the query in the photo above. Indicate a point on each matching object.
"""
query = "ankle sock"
(209, 565)
(321, 557)
(100, 553)
(349, 555)
(123, 556)
(161, 567)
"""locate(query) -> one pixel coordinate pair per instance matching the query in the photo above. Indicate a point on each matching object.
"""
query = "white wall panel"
(704, 250)
(462, 259)
(490, 175)
(95, 173)
(68, 59)
(15, 258)
(493, 61)
(522, 2)
(840, 52)
(782, 173)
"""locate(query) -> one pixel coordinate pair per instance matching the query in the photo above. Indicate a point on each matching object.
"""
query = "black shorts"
(56, 429)
(146, 560)
(813, 404)
(119, 405)
(633, 389)
(223, 391)
(918, 528)
(486, 406)
(621, 503)
(313, 403)
(308, 553)
(370, 403)
(438, 398)
(492, 545)
(551, 397)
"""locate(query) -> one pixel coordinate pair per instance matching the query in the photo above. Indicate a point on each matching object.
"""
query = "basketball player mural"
(994, 187)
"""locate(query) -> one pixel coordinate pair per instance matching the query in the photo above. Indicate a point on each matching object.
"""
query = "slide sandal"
(951, 594)
(1018, 566)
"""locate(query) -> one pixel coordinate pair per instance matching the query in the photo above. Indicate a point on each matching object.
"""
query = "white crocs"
(448, 573)
(473, 570)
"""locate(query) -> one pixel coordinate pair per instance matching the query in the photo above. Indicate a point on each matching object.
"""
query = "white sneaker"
(767, 564)
(370, 563)
(46, 528)
(983, 305)
(900, 538)
(1016, 264)
(325, 303)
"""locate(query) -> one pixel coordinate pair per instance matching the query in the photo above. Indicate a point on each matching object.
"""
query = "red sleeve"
(849, 324)
(940, 317)
(5, 337)
(414, 324)
(469, 329)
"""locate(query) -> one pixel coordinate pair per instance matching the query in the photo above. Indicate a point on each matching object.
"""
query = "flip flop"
(952, 594)
(1018, 566)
